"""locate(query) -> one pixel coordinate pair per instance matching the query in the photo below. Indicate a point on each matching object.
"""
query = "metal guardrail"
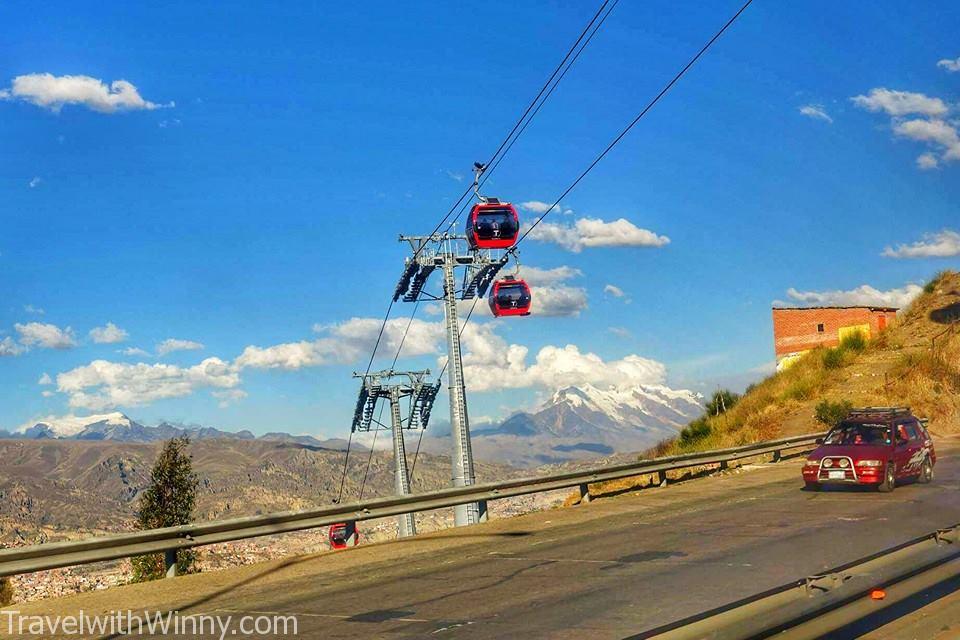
(62, 554)
(820, 604)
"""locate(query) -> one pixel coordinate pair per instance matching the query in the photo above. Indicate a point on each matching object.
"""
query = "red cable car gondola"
(510, 297)
(343, 535)
(492, 225)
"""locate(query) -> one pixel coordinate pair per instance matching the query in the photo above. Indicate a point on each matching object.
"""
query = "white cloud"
(48, 336)
(102, 385)
(944, 244)
(534, 276)
(551, 296)
(53, 92)
(901, 103)
(346, 342)
(135, 351)
(34, 182)
(109, 334)
(491, 364)
(175, 344)
(594, 232)
(227, 396)
(952, 66)
(45, 379)
(536, 206)
(816, 111)
(29, 308)
(927, 161)
(620, 332)
(8, 347)
(458, 177)
(614, 290)
(864, 295)
(557, 301)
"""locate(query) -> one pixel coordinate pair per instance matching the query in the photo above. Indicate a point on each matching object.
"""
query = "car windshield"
(859, 433)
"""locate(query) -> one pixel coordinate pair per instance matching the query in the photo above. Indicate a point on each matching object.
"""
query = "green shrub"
(721, 402)
(694, 432)
(855, 342)
(831, 413)
(834, 358)
(801, 389)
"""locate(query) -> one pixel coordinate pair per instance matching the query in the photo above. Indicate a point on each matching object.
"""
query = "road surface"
(609, 569)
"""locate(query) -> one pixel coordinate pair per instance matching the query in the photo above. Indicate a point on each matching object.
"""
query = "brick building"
(797, 330)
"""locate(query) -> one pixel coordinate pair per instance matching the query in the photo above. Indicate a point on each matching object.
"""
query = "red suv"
(877, 446)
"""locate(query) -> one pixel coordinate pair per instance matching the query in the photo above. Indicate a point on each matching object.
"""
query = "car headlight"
(870, 463)
(844, 463)
(828, 463)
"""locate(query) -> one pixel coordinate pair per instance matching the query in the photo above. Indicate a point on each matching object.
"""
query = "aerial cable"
(504, 147)
(630, 126)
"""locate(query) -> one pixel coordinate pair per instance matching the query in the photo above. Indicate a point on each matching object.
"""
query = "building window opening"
(820, 328)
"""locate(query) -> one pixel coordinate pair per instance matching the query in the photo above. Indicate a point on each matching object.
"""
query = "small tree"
(721, 401)
(831, 413)
(6, 592)
(168, 501)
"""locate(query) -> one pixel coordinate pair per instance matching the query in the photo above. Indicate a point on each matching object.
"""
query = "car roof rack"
(879, 411)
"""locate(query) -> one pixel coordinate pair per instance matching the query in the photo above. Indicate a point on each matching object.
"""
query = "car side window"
(913, 431)
(902, 435)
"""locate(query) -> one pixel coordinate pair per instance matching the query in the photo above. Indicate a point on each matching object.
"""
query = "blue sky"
(247, 187)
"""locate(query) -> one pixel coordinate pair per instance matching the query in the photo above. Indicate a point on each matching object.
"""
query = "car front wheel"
(926, 472)
(889, 479)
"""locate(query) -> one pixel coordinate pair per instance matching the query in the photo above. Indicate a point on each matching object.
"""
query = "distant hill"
(65, 488)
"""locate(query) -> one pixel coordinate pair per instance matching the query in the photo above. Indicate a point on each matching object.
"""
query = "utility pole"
(447, 252)
(379, 385)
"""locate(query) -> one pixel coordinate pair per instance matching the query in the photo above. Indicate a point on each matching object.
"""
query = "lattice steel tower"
(393, 386)
(446, 251)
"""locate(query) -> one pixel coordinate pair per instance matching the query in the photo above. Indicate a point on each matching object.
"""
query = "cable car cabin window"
(492, 227)
(513, 296)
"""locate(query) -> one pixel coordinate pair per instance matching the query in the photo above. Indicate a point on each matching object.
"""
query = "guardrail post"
(724, 465)
(777, 455)
(170, 563)
(661, 478)
(584, 493)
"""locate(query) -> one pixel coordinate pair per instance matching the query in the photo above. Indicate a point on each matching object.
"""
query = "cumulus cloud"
(490, 364)
(864, 295)
(535, 206)
(816, 111)
(552, 297)
(9, 347)
(346, 342)
(103, 385)
(944, 244)
(227, 396)
(594, 232)
(54, 92)
(900, 103)
(952, 66)
(932, 127)
(34, 182)
(47, 336)
(135, 351)
(620, 332)
(174, 344)
(109, 334)
(45, 379)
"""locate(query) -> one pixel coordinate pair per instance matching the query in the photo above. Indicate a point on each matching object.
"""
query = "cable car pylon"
(393, 386)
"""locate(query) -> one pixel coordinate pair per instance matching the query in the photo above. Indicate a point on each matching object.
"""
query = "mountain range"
(575, 423)
(118, 427)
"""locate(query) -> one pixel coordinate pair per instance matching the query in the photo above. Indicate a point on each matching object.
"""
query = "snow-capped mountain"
(118, 427)
(578, 422)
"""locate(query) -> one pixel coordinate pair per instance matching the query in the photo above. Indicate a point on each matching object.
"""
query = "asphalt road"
(610, 569)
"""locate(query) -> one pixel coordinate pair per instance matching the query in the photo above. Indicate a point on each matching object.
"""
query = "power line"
(630, 126)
